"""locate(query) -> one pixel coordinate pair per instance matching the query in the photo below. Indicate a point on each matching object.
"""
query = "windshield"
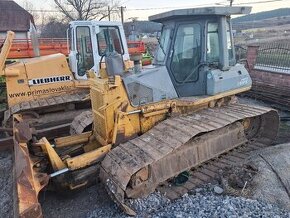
(187, 52)
(164, 42)
(109, 40)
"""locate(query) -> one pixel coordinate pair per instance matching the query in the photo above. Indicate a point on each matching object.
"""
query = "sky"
(144, 8)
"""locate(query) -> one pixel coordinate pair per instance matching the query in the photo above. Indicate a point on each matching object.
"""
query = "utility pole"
(122, 13)
(109, 13)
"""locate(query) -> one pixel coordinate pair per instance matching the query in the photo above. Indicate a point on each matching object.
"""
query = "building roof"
(199, 12)
(14, 17)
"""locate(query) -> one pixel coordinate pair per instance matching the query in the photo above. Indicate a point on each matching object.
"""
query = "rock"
(185, 195)
(218, 190)
(198, 190)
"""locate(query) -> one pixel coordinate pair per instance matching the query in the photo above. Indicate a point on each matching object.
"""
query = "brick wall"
(275, 79)
(268, 86)
(252, 53)
(268, 78)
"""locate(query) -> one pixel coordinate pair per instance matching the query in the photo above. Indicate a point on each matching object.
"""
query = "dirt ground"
(80, 204)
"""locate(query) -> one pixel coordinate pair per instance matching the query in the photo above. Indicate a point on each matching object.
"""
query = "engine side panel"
(152, 85)
(221, 81)
(38, 78)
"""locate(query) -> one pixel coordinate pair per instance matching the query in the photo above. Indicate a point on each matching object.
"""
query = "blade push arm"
(5, 50)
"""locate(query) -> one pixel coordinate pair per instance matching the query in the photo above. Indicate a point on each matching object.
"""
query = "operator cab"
(90, 41)
(195, 57)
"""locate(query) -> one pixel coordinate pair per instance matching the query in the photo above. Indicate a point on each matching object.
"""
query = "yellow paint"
(108, 98)
(72, 187)
(73, 140)
(5, 50)
(123, 128)
(88, 158)
(51, 66)
(111, 106)
(55, 160)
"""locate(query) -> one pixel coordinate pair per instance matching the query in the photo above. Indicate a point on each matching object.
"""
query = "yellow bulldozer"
(52, 93)
(151, 126)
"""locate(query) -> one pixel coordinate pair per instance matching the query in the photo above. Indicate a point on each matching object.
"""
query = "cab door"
(185, 63)
(109, 40)
(84, 51)
(89, 45)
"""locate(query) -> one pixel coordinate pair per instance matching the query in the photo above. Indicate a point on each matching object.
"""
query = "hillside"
(279, 17)
(282, 12)
(142, 27)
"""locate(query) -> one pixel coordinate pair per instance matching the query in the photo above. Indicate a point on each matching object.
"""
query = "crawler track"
(81, 123)
(52, 116)
(278, 96)
(186, 142)
(209, 171)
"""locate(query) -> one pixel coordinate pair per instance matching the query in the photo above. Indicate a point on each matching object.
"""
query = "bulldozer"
(152, 125)
(50, 92)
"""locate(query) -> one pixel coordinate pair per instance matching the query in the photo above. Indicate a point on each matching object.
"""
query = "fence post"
(252, 53)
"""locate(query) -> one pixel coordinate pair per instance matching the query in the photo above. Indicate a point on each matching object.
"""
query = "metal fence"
(274, 57)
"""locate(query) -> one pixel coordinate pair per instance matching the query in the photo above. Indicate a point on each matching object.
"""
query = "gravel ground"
(203, 203)
(207, 204)
(6, 200)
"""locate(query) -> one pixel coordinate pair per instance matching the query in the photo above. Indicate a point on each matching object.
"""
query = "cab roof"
(94, 22)
(222, 11)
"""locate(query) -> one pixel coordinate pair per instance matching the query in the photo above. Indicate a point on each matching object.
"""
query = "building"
(14, 17)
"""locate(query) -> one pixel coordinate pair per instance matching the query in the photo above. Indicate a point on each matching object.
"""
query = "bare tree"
(87, 9)
(28, 6)
(54, 28)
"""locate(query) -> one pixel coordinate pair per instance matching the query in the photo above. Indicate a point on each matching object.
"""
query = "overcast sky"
(144, 8)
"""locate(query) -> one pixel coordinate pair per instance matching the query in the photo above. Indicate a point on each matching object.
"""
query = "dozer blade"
(136, 168)
(27, 182)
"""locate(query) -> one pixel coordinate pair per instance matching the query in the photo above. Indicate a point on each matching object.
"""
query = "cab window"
(213, 46)
(163, 46)
(186, 53)
(84, 50)
(109, 40)
(229, 42)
